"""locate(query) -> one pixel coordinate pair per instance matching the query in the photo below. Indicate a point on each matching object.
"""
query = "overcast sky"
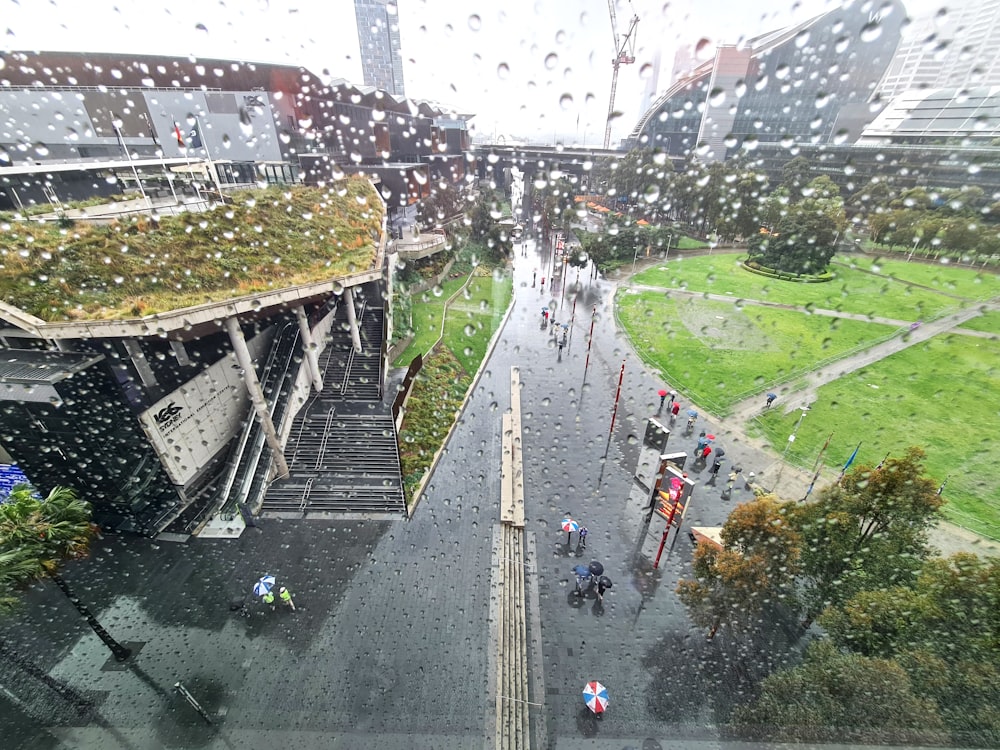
(527, 67)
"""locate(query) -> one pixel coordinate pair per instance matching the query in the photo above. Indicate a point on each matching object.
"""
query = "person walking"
(268, 599)
(675, 409)
(533, 275)
(603, 584)
(583, 537)
(702, 442)
(716, 467)
(706, 452)
(733, 476)
(770, 399)
(286, 598)
(663, 397)
(673, 396)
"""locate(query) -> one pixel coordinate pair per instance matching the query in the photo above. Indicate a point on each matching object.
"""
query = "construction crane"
(624, 55)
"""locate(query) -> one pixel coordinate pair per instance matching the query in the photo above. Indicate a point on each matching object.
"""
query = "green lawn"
(989, 322)
(851, 291)
(943, 395)
(717, 354)
(428, 307)
(690, 243)
(472, 318)
(963, 282)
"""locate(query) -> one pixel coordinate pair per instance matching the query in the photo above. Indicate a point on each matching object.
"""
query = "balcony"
(416, 245)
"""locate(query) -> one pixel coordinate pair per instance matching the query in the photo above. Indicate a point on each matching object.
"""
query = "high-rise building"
(378, 38)
(955, 49)
(808, 83)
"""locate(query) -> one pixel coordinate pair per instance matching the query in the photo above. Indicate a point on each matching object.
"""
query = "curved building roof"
(791, 83)
(937, 115)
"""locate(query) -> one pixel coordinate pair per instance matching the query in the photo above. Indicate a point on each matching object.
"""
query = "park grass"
(472, 319)
(943, 395)
(851, 291)
(988, 322)
(718, 354)
(690, 243)
(962, 282)
(428, 308)
(475, 316)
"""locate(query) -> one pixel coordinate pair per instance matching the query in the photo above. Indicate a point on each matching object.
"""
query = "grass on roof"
(259, 241)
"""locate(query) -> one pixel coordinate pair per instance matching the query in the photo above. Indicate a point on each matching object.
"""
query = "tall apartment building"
(378, 38)
(954, 49)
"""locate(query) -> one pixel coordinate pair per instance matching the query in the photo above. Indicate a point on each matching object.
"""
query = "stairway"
(342, 452)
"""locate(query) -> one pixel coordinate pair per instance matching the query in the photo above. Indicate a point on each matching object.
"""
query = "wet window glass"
(539, 374)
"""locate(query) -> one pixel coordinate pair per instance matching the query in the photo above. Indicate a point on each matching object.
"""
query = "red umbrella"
(661, 393)
(710, 437)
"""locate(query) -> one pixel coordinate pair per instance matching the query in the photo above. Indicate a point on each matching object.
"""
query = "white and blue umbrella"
(264, 585)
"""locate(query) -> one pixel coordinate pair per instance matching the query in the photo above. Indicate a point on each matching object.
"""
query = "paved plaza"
(391, 641)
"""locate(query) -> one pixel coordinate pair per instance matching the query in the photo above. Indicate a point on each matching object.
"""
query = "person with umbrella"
(603, 584)
(582, 573)
(569, 526)
(702, 442)
(692, 415)
(595, 695)
(716, 466)
(770, 399)
(663, 397)
(675, 410)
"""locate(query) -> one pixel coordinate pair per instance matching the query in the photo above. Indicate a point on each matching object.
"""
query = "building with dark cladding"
(809, 83)
(379, 42)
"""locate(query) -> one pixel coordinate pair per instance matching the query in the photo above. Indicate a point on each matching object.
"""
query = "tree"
(755, 566)
(795, 175)
(481, 218)
(867, 532)
(944, 631)
(37, 534)
(802, 233)
(833, 695)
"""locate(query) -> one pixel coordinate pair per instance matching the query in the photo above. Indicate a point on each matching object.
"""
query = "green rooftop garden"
(259, 241)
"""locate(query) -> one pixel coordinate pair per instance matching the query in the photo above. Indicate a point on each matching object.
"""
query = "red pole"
(614, 414)
(590, 340)
(666, 532)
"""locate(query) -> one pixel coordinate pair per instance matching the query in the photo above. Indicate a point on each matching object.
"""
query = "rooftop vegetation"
(260, 240)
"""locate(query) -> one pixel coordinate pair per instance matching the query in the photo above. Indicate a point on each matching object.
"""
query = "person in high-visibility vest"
(286, 597)
(268, 598)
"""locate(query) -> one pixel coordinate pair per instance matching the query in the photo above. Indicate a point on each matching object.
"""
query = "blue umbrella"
(264, 585)
(692, 413)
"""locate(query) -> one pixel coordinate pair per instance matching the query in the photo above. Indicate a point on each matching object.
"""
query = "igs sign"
(169, 415)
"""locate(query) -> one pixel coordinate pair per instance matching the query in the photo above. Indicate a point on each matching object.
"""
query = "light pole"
(791, 439)
(916, 241)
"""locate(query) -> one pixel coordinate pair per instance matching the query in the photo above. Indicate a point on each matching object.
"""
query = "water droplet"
(652, 194)
(503, 71)
(551, 60)
(475, 22)
(871, 31)
(566, 101)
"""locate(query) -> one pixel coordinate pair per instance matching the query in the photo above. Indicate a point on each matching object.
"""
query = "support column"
(309, 347)
(146, 376)
(180, 352)
(256, 394)
(352, 318)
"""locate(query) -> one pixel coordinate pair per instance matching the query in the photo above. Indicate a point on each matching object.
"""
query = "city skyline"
(527, 70)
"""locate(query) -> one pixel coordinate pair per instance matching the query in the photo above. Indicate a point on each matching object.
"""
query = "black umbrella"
(605, 582)
(595, 568)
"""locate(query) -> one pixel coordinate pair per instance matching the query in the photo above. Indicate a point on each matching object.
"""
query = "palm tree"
(37, 534)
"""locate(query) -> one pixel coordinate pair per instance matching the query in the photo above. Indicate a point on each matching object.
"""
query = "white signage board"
(189, 426)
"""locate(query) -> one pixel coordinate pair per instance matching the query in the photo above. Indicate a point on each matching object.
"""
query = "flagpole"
(163, 161)
(791, 439)
(208, 156)
(848, 464)
(817, 468)
(128, 157)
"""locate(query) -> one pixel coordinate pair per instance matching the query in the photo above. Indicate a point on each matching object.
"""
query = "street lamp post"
(916, 241)
(791, 439)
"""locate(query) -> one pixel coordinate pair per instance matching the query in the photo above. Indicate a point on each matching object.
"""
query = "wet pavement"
(389, 645)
